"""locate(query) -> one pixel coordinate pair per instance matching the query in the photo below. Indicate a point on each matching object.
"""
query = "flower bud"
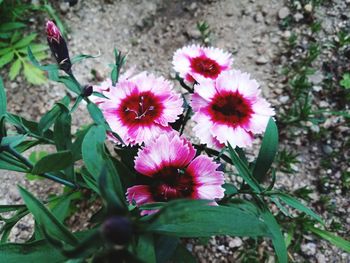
(117, 230)
(87, 90)
(58, 46)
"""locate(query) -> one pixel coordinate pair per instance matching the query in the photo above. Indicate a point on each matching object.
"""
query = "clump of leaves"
(204, 29)
(345, 82)
(14, 41)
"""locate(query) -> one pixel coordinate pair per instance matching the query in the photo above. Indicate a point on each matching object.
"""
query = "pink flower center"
(205, 66)
(230, 108)
(140, 109)
(172, 183)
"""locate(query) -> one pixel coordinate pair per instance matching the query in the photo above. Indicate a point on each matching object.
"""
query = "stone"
(327, 149)
(309, 249)
(283, 12)
(308, 8)
(235, 242)
(258, 17)
(64, 7)
(298, 17)
(261, 60)
(316, 78)
(283, 99)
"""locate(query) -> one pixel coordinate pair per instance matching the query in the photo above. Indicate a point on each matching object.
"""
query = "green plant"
(204, 29)
(13, 45)
(345, 82)
(286, 160)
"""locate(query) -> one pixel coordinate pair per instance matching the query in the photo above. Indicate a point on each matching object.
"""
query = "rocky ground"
(150, 32)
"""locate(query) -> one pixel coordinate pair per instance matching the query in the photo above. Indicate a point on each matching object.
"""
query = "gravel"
(149, 32)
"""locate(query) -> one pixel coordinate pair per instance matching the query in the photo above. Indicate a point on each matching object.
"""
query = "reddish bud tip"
(52, 32)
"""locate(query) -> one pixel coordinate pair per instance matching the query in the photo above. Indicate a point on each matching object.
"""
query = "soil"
(150, 32)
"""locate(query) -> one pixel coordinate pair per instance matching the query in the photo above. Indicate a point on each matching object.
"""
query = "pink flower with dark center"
(229, 109)
(52, 32)
(173, 171)
(194, 63)
(140, 108)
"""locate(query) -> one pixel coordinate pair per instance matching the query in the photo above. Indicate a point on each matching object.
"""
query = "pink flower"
(52, 32)
(194, 63)
(229, 109)
(140, 108)
(174, 173)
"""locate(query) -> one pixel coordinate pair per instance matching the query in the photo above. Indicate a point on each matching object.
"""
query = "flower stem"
(49, 176)
(186, 118)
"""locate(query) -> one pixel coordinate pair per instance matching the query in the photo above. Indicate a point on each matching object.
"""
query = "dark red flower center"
(172, 183)
(140, 108)
(230, 108)
(205, 66)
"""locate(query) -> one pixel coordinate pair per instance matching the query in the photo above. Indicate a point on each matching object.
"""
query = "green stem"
(49, 176)
(186, 118)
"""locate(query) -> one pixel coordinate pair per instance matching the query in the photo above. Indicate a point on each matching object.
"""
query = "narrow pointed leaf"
(267, 151)
(243, 170)
(53, 162)
(46, 219)
(295, 203)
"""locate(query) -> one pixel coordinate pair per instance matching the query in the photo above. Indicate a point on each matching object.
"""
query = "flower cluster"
(227, 107)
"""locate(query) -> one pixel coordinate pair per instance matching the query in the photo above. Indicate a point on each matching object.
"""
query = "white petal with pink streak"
(167, 149)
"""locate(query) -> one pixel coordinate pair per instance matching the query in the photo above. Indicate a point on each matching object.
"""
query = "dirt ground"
(150, 32)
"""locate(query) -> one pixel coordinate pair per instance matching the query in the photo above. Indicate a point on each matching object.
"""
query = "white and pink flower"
(194, 63)
(140, 108)
(173, 171)
(229, 109)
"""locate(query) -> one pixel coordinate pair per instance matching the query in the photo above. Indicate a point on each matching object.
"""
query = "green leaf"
(25, 41)
(8, 162)
(7, 58)
(12, 141)
(145, 249)
(33, 74)
(243, 170)
(295, 203)
(96, 114)
(62, 131)
(60, 208)
(267, 151)
(76, 147)
(330, 237)
(53, 162)
(81, 57)
(345, 82)
(38, 251)
(46, 219)
(97, 160)
(2, 98)
(277, 236)
(35, 62)
(49, 118)
(15, 69)
(5, 50)
(11, 26)
(165, 247)
(182, 255)
(188, 218)
(9, 208)
(70, 84)
(35, 48)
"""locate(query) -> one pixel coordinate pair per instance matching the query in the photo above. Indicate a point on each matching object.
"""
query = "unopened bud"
(117, 230)
(58, 46)
(87, 91)
(52, 32)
